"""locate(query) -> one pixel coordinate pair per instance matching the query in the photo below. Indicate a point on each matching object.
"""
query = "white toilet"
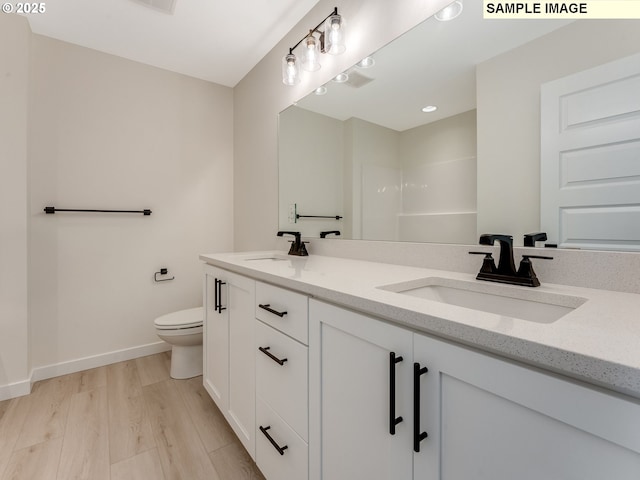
(183, 331)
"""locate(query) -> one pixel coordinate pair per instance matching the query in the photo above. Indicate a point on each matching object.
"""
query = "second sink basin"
(515, 302)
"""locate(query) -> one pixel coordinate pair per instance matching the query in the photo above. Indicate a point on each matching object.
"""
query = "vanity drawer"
(283, 387)
(292, 462)
(284, 310)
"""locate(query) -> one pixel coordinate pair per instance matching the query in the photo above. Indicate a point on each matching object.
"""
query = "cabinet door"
(229, 359)
(241, 409)
(350, 394)
(216, 338)
(490, 419)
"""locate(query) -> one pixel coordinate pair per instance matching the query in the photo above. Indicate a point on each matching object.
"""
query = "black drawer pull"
(273, 442)
(418, 436)
(266, 351)
(393, 420)
(271, 310)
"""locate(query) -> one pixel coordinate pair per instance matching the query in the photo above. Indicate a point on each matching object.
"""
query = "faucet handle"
(541, 257)
(488, 264)
(526, 269)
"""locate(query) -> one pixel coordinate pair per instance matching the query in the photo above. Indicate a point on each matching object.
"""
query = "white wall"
(508, 88)
(108, 133)
(14, 347)
(261, 95)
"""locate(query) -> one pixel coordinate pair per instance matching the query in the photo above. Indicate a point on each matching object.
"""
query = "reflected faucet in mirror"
(329, 232)
(506, 272)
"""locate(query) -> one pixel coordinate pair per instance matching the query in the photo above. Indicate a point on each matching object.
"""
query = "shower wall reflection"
(414, 185)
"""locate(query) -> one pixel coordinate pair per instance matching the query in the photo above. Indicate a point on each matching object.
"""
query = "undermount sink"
(515, 302)
(269, 256)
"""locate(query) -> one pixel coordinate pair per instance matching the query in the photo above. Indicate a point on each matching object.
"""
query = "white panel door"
(590, 157)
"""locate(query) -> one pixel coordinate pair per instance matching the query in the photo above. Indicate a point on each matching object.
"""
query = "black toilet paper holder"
(163, 271)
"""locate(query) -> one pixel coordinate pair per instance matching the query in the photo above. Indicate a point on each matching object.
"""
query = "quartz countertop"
(598, 342)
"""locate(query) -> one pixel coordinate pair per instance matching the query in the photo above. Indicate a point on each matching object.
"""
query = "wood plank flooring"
(126, 421)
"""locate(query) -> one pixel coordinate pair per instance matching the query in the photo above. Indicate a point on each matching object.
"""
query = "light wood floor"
(124, 421)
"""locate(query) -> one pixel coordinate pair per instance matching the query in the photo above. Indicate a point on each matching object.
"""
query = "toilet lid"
(189, 318)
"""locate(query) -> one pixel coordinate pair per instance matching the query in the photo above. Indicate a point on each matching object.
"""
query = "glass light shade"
(320, 90)
(290, 71)
(449, 12)
(310, 54)
(334, 35)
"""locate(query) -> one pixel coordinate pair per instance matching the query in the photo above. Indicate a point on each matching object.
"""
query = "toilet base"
(186, 361)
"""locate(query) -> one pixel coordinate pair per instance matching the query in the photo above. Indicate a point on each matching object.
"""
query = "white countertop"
(598, 342)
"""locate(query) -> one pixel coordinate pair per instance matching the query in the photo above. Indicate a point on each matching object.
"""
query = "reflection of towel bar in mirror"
(336, 217)
(51, 210)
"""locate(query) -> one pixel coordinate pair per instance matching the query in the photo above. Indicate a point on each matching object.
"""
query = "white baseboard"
(19, 389)
(72, 366)
(13, 390)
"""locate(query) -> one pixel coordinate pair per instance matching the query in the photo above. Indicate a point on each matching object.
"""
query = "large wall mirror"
(364, 150)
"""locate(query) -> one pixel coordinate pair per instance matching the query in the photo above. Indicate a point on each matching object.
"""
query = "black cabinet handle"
(266, 351)
(418, 436)
(218, 296)
(393, 420)
(271, 310)
(273, 442)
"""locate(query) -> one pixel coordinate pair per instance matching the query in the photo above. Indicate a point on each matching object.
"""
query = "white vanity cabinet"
(229, 359)
(282, 407)
(484, 417)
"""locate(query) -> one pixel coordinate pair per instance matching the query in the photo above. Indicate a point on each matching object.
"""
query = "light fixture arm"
(335, 12)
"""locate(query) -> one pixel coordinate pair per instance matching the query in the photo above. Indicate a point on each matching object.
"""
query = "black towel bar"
(54, 210)
(336, 217)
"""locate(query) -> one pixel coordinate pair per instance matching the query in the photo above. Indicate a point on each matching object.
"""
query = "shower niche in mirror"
(365, 151)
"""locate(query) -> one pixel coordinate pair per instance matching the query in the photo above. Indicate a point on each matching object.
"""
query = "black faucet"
(329, 232)
(506, 272)
(506, 265)
(297, 246)
(530, 239)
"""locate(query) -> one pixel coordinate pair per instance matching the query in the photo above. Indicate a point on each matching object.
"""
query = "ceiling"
(215, 40)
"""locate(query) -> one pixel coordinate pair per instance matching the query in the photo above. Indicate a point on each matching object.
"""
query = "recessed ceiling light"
(366, 62)
(449, 12)
(429, 108)
(341, 77)
(320, 90)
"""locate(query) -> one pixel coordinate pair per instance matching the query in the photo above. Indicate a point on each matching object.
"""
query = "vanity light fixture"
(330, 40)
(451, 11)
(429, 108)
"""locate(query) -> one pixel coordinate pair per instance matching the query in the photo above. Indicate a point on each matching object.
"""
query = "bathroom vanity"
(365, 370)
